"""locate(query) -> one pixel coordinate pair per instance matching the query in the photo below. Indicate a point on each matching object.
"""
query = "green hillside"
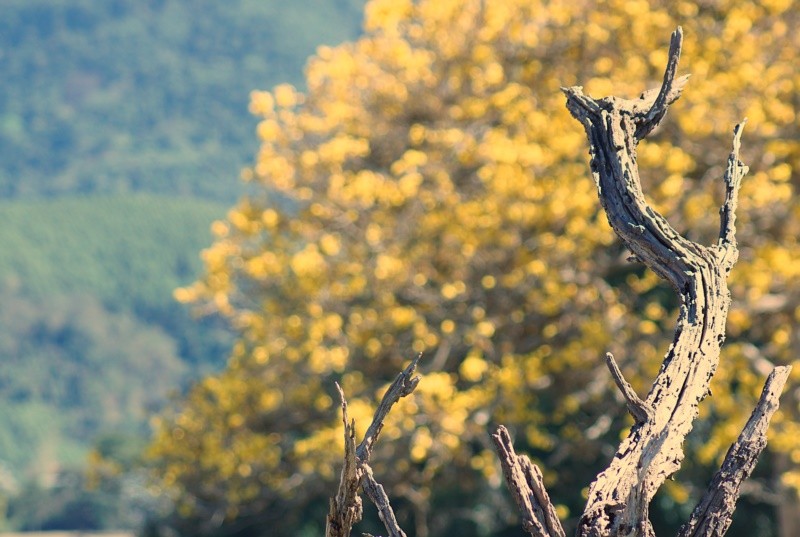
(123, 128)
(126, 250)
(90, 339)
(146, 95)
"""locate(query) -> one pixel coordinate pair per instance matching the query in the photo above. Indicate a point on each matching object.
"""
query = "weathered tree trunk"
(620, 496)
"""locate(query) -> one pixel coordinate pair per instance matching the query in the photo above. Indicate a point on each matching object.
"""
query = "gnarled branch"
(619, 498)
(713, 513)
(346, 507)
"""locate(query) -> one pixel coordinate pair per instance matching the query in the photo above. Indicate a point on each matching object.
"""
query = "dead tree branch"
(713, 513)
(403, 385)
(620, 496)
(377, 496)
(346, 507)
(524, 480)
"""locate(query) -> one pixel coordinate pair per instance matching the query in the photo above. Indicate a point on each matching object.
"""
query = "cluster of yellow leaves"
(430, 193)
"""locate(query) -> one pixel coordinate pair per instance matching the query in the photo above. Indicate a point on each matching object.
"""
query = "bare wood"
(670, 88)
(377, 496)
(713, 513)
(619, 498)
(524, 480)
(346, 507)
(637, 408)
(727, 213)
(403, 385)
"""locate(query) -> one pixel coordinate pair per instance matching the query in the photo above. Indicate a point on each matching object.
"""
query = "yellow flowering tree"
(429, 194)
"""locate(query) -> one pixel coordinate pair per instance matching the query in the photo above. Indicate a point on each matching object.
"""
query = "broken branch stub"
(637, 408)
(345, 508)
(524, 480)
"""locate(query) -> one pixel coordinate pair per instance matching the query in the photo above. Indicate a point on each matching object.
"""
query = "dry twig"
(346, 507)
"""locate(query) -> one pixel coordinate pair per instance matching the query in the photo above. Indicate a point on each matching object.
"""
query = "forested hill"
(90, 338)
(129, 95)
(128, 252)
(124, 125)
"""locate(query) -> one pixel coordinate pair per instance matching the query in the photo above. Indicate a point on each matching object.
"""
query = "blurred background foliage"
(428, 192)
(420, 189)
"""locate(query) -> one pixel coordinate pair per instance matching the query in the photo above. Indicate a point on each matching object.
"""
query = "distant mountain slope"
(73, 370)
(146, 95)
(126, 250)
(116, 117)
(90, 338)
